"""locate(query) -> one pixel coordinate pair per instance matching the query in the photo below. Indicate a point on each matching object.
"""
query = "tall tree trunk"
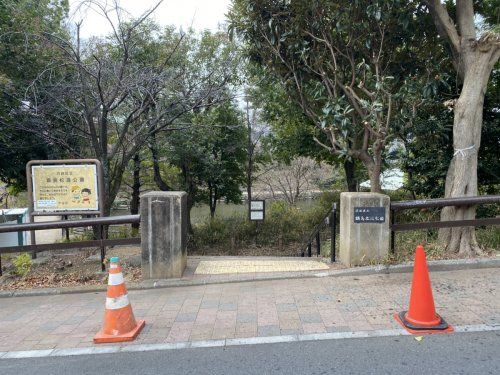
(373, 165)
(474, 60)
(212, 209)
(191, 191)
(162, 185)
(350, 175)
(212, 199)
(374, 170)
(106, 199)
(189, 204)
(114, 184)
(374, 174)
(136, 189)
(249, 189)
(461, 178)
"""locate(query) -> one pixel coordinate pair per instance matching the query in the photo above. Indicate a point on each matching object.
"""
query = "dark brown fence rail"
(330, 219)
(99, 223)
(441, 202)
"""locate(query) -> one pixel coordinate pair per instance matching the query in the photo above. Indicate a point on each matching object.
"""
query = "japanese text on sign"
(257, 205)
(369, 214)
(65, 187)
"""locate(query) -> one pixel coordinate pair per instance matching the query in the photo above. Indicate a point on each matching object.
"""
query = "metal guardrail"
(98, 222)
(89, 222)
(441, 202)
(331, 220)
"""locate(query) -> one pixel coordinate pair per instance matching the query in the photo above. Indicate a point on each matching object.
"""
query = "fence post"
(318, 245)
(364, 228)
(163, 234)
(309, 249)
(32, 236)
(103, 248)
(333, 228)
(66, 229)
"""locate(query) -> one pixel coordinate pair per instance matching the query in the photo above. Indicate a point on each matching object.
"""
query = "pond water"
(201, 212)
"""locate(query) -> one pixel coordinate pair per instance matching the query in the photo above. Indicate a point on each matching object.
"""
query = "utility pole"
(250, 151)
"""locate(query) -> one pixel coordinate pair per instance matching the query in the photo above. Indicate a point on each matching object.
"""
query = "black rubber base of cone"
(440, 327)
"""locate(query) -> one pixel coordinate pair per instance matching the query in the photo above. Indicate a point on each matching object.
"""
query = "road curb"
(434, 266)
(225, 343)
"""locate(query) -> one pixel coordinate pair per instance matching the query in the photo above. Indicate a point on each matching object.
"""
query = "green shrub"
(122, 231)
(328, 198)
(23, 264)
(284, 224)
(212, 231)
(399, 195)
(489, 238)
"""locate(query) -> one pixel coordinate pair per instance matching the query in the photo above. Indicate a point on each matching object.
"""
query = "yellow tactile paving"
(216, 267)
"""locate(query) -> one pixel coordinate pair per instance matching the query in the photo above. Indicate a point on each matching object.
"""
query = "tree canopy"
(23, 57)
(343, 63)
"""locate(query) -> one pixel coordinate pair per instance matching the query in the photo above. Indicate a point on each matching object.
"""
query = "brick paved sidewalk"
(249, 309)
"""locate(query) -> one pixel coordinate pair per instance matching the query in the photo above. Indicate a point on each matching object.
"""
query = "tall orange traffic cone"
(421, 316)
(119, 321)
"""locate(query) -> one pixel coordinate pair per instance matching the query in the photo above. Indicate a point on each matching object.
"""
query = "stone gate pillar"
(364, 228)
(163, 234)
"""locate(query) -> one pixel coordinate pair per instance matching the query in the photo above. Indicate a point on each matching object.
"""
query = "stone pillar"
(364, 228)
(163, 234)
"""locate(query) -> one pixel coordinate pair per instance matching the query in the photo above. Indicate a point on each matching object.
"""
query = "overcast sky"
(200, 14)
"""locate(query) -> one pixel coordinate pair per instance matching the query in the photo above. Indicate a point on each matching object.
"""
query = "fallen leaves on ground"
(68, 270)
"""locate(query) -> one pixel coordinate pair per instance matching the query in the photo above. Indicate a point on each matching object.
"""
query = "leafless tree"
(118, 92)
(291, 181)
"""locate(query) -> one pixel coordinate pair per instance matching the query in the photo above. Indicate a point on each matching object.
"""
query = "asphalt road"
(463, 353)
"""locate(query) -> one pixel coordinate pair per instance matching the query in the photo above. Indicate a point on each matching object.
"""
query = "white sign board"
(256, 215)
(257, 210)
(257, 205)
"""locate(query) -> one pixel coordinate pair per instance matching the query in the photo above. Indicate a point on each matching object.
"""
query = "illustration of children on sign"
(75, 192)
(86, 196)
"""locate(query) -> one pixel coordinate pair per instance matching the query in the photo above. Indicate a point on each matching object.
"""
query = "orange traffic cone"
(421, 316)
(119, 321)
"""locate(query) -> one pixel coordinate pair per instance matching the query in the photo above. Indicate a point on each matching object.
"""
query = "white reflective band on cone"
(115, 279)
(117, 303)
(113, 265)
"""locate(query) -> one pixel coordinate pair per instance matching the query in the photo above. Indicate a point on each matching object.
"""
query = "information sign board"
(369, 215)
(65, 187)
(257, 210)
